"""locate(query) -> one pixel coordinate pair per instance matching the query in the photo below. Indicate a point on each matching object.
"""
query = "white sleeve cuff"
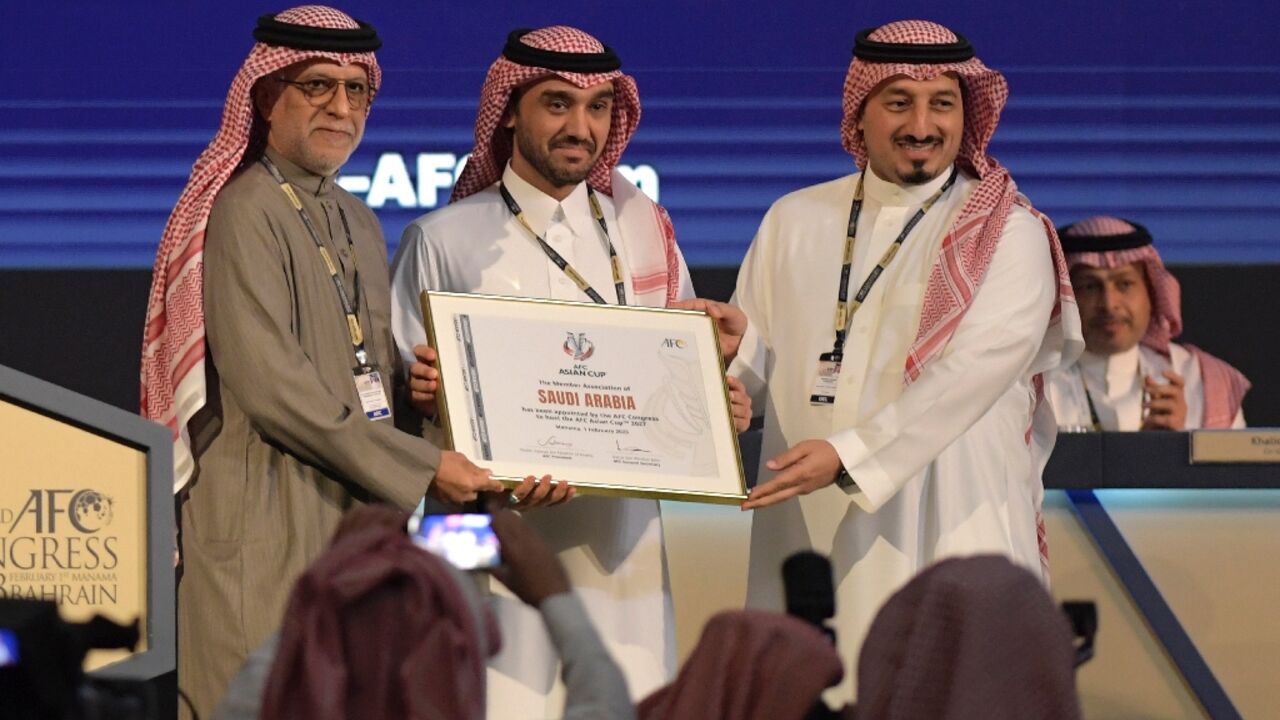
(871, 486)
(749, 365)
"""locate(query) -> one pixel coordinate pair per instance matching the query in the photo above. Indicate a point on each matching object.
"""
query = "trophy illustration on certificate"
(623, 401)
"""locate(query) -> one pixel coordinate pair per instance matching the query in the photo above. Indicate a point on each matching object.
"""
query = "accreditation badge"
(824, 385)
(372, 398)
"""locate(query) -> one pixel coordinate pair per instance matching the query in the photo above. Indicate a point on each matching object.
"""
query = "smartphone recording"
(466, 540)
(8, 648)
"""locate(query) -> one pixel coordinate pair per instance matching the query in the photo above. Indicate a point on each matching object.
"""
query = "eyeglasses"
(320, 90)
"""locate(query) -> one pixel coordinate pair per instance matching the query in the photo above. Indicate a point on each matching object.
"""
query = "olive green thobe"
(283, 447)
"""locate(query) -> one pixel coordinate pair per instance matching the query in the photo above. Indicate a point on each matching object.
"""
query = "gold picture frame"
(619, 401)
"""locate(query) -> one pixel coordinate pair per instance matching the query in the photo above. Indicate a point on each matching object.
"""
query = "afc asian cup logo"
(579, 347)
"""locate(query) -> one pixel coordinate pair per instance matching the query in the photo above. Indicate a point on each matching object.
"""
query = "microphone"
(810, 595)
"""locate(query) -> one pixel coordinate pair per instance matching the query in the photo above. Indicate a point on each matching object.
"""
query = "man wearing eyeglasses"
(268, 348)
(318, 127)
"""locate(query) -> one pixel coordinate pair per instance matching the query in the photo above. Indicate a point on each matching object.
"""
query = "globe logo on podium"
(90, 511)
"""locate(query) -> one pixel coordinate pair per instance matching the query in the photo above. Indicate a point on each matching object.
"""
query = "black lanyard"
(845, 308)
(353, 318)
(1093, 412)
(615, 262)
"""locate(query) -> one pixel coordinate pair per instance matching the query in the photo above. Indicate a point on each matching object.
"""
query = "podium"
(1180, 558)
(86, 517)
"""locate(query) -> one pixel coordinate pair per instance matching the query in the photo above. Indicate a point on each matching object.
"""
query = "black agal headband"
(529, 56)
(864, 48)
(1140, 237)
(305, 37)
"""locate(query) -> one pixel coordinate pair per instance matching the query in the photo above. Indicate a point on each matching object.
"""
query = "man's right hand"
(424, 380)
(1164, 406)
(804, 467)
(544, 492)
(530, 569)
(458, 480)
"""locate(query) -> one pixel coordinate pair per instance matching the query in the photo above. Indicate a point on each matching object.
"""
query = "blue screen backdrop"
(1168, 113)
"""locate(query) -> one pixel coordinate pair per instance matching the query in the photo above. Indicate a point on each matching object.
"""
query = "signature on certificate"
(553, 441)
(633, 449)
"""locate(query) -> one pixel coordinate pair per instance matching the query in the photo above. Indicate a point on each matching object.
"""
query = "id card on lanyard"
(372, 398)
(824, 385)
(827, 377)
(368, 381)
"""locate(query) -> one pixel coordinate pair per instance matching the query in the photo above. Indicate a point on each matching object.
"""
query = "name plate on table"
(621, 401)
(1235, 446)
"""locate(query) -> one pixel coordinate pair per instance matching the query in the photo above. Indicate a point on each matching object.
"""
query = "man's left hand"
(1165, 406)
(739, 403)
(731, 322)
(805, 467)
(424, 380)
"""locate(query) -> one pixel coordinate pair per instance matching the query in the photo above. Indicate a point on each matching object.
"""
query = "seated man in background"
(1131, 377)
(380, 628)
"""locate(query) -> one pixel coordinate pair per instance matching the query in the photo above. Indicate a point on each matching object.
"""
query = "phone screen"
(466, 540)
(8, 647)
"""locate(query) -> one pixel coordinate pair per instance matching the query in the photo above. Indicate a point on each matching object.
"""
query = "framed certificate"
(623, 401)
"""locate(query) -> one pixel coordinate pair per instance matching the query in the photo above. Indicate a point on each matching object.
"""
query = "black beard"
(918, 175)
(541, 162)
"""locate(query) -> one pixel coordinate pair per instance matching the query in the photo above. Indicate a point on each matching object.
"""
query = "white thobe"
(943, 466)
(1114, 383)
(611, 548)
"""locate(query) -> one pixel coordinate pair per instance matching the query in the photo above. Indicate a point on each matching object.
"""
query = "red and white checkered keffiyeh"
(1224, 386)
(173, 344)
(1166, 293)
(654, 265)
(971, 242)
(1224, 389)
(493, 142)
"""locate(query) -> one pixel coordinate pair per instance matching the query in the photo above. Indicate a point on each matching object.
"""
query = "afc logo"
(88, 511)
(674, 343)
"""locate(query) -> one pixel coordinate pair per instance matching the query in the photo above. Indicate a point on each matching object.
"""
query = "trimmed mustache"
(913, 140)
(572, 142)
(1099, 320)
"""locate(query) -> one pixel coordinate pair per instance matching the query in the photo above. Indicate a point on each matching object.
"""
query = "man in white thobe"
(1131, 375)
(901, 390)
(555, 116)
